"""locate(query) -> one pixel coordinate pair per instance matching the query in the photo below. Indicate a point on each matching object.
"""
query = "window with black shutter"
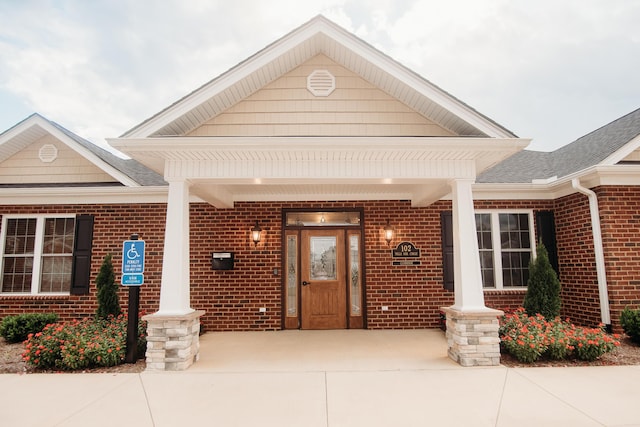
(83, 245)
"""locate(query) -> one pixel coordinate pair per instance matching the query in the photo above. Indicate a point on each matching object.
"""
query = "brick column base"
(472, 336)
(173, 342)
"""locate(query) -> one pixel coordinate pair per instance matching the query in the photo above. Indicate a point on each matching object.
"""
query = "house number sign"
(405, 253)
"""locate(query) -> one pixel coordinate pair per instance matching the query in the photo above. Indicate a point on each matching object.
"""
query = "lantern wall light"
(388, 233)
(256, 233)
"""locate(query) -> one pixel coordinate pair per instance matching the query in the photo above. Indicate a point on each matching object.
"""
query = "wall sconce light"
(256, 232)
(388, 233)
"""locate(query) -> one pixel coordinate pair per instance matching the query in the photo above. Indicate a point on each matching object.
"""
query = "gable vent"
(321, 83)
(48, 153)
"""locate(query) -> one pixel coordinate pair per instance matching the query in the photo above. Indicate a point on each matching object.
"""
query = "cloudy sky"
(551, 70)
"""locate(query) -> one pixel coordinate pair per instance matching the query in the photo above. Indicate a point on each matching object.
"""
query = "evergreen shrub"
(543, 287)
(630, 322)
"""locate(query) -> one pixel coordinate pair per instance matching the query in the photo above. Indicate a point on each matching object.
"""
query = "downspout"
(605, 312)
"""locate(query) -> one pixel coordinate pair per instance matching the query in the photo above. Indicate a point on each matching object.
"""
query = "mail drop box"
(222, 260)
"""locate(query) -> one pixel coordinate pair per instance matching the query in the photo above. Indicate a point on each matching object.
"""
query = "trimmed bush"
(108, 304)
(543, 287)
(630, 322)
(17, 328)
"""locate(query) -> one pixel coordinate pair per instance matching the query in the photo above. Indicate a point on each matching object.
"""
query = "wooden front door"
(323, 279)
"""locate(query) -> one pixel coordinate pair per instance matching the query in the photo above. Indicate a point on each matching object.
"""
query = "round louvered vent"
(48, 153)
(321, 83)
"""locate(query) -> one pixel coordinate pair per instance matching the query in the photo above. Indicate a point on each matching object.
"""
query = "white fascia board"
(82, 195)
(622, 152)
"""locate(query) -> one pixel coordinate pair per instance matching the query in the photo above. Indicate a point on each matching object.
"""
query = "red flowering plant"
(592, 343)
(79, 344)
(523, 336)
(529, 338)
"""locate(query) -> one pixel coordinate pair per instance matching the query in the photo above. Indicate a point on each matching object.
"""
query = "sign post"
(133, 277)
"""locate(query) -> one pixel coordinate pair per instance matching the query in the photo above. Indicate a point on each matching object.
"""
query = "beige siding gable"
(26, 167)
(634, 156)
(286, 108)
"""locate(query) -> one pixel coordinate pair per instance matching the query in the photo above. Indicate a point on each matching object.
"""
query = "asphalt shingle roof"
(583, 153)
(132, 168)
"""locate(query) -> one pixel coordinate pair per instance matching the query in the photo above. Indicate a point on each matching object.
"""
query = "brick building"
(319, 184)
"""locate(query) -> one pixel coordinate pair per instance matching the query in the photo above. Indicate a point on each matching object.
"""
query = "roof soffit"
(318, 36)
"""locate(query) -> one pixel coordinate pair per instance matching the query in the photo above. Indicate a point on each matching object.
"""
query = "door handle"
(305, 283)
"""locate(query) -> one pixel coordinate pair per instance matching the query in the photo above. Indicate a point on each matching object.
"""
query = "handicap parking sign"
(133, 262)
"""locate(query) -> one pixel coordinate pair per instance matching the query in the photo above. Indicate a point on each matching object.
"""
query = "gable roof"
(128, 172)
(595, 148)
(318, 36)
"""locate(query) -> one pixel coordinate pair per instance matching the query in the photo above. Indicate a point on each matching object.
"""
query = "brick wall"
(413, 294)
(620, 218)
(113, 224)
(576, 260)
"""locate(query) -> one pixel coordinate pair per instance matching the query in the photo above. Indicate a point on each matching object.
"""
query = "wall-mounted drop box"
(222, 260)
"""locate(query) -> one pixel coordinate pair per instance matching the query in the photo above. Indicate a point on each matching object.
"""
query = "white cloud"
(548, 70)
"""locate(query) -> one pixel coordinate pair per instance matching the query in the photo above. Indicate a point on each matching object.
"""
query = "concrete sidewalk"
(327, 378)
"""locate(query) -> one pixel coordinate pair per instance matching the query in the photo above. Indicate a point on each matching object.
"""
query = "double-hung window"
(505, 247)
(37, 254)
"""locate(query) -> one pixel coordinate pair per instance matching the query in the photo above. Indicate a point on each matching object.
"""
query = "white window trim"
(497, 250)
(37, 251)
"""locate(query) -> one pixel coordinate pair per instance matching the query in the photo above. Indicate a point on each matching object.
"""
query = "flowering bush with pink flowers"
(528, 338)
(81, 344)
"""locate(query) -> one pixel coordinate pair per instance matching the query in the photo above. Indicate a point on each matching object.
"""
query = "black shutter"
(82, 246)
(446, 222)
(546, 230)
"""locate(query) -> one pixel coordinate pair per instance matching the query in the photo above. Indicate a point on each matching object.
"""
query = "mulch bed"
(11, 363)
(627, 353)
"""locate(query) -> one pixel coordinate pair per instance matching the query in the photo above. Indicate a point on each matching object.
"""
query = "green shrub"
(16, 328)
(79, 344)
(543, 287)
(108, 304)
(630, 322)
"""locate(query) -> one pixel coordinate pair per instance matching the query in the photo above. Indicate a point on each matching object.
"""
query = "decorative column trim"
(473, 336)
(173, 342)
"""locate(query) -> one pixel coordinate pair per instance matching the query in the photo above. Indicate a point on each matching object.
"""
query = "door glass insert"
(322, 219)
(355, 275)
(322, 256)
(292, 276)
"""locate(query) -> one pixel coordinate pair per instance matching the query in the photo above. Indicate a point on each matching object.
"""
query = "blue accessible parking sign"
(133, 262)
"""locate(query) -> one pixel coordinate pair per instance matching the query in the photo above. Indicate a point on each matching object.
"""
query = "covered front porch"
(329, 350)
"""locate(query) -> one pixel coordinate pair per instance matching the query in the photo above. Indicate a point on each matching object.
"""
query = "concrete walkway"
(327, 378)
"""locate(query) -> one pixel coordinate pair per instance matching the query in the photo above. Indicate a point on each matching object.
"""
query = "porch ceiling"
(223, 170)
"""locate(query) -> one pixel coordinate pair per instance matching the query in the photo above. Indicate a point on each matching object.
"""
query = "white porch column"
(467, 277)
(174, 288)
(472, 328)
